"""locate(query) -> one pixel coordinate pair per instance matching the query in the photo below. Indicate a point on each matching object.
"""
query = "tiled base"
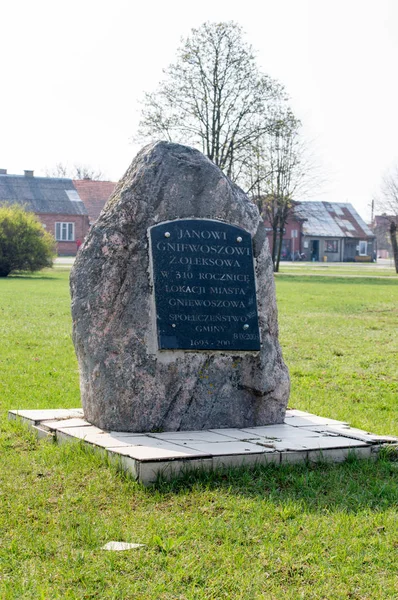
(301, 437)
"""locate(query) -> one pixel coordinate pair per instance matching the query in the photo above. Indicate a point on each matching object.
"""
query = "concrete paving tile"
(239, 460)
(140, 446)
(68, 435)
(262, 430)
(150, 471)
(149, 442)
(295, 412)
(55, 424)
(188, 436)
(329, 441)
(356, 434)
(36, 416)
(115, 440)
(83, 433)
(291, 445)
(280, 432)
(326, 429)
(162, 451)
(363, 452)
(335, 455)
(236, 434)
(98, 437)
(41, 432)
(120, 434)
(90, 434)
(232, 447)
(382, 438)
(293, 457)
(313, 443)
(332, 455)
(125, 463)
(309, 420)
(289, 439)
(264, 442)
(62, 438)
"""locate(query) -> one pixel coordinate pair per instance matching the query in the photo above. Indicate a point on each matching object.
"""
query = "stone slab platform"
(303, 436)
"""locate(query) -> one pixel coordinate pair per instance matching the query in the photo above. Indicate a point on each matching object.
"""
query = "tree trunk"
(394, 243)
(278, 257)
(274, 246)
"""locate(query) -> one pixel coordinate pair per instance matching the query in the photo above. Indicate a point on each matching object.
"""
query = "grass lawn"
(383, 268)
(314, 532)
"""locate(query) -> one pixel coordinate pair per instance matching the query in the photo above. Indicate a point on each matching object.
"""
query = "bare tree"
(213, 97)
(78, 171)
(279, 170)
(388, 203)
(58, 170)
(87, 172)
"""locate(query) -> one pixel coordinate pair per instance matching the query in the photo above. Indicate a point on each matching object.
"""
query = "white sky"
(72, 74)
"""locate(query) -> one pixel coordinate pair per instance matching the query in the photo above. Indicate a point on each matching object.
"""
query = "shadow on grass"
(351, 486)
(36, 277)
(27, 277)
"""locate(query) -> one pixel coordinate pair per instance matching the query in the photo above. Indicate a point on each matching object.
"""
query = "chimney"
(28, 173)
(3, 171)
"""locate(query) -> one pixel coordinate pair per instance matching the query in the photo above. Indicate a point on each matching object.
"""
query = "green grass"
(339, 337)
(314, 532)
(384, 269)
(37, 360)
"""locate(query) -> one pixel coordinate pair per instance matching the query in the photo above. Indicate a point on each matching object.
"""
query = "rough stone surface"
(127, 384)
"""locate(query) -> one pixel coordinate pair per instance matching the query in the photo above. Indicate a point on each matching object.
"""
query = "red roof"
(94, 194)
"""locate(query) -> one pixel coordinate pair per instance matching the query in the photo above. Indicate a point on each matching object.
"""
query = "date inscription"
(204, 286)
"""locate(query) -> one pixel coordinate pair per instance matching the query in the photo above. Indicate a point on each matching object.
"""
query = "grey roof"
(42, 195)
(326, 219)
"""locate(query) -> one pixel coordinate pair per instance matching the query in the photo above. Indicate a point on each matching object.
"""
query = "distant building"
(381, 229)
(94, 194)
(324, 231)
(58, 203)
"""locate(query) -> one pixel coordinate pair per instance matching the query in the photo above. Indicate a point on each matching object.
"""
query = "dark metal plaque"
(205, 290)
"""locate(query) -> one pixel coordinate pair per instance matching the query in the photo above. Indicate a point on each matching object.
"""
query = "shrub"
(24, 244)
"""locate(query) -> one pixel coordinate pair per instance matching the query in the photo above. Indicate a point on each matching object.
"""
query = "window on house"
(363, 248)
(65, 232)
(331, 246)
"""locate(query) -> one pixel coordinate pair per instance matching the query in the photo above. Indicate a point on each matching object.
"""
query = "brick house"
(94, 194)
(65, 207)
(292, 237)
(54, 201)
(324, 231)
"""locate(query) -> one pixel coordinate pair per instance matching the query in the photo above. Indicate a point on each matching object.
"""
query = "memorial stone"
(173, 303)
